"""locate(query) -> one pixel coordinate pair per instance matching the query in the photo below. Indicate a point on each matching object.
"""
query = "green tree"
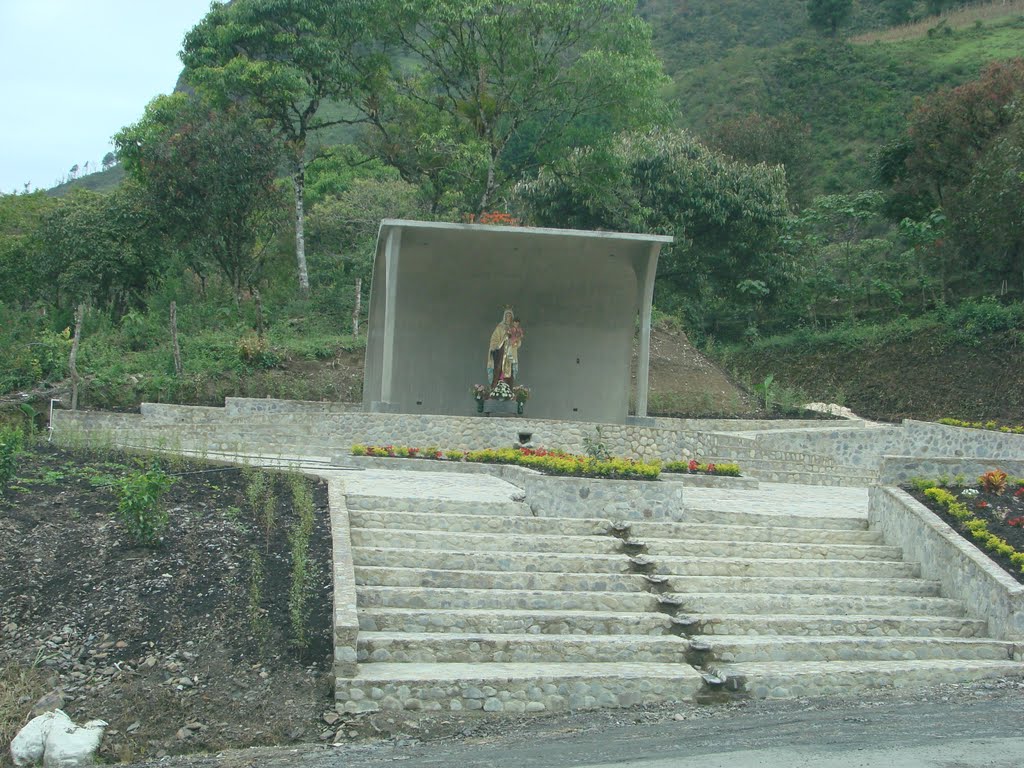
(497, 88)
(726, 216)
(209, 175)
(948, 131)
(848, 264)
(22, 271)
(288, 58)
(775, 140)
(959, 156)
(990, 210)
(899, 10)
(101, 248)
(829, 15)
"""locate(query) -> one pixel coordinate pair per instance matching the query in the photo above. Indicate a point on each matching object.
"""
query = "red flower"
(1019, 491)
(1017, 521)
(711, 469)
(693, 465)
(982, 505)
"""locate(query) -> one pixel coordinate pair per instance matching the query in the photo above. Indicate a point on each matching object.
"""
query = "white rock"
(27, 747)
(69, 745)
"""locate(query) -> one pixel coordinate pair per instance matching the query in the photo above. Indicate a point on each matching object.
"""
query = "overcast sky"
(74, 72)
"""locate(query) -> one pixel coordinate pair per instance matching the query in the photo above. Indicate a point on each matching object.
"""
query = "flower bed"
(989, 513)
(989, 425)
(694, 467)
(549, 462)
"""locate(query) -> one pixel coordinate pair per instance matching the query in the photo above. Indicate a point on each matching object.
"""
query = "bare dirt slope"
(683, 382)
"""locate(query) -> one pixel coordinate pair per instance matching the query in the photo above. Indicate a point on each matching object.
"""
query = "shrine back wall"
(577, 301)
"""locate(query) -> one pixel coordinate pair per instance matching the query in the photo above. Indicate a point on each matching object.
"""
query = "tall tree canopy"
(491, 89)
(829, 15)
(209, 176)
(288, 58)
(961, 155)
(101, 248)
(726, 216)
(22, 268)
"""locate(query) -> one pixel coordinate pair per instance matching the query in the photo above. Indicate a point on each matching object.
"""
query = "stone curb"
(346, 619)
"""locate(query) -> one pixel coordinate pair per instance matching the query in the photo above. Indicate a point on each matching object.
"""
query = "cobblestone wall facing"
(966, 574)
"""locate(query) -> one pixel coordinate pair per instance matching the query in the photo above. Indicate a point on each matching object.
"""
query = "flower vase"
(479, 406)
(520, 407)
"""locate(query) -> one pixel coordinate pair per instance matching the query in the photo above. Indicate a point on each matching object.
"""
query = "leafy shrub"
(990, 425)
(922, 484)
(259, 492)
(975, 526)
(695, 467)
(255, 351)
(301, 580)
(940, 496)
(140, 505)
(993, 481)
(547, 461)
(595, 446)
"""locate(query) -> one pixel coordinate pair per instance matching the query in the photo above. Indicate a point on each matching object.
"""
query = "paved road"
(905, 736)
(951, 727)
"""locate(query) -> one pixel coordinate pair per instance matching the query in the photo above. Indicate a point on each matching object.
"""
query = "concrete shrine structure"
(439, 289)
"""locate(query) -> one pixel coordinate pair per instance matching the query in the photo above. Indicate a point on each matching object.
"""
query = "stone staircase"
(476, 606)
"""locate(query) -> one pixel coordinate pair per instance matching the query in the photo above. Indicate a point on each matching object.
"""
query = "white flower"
(970, 493)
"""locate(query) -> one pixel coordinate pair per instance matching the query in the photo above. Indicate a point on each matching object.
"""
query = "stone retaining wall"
(821, 449)
(925, 438)
(897, 470)
(965, 573)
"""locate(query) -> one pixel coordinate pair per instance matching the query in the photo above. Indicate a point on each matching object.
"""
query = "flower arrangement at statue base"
(550, 462)
(694, 467)
(499, 398)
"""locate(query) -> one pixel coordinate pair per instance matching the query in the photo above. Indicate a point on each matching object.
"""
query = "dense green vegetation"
(817, 187)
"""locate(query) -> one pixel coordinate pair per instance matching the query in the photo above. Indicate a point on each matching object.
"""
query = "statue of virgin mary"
(503, 350)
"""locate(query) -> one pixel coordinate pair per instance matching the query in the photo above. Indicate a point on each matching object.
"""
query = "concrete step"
(418, 521)
(437, 506)
(736, 515)
(454, 647)
(463, 560)
(646, 531)
(379, 576)
(796, 585)
(485, 542)
(810, 625)
(740, 566)
(537, 622)
(787, 679)
(657, 548)
(740, 649)
(468, 579)
(756, 604)
(514, 688)
(502, 600)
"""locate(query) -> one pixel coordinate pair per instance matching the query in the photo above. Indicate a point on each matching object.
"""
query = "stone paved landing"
(782, 498)
(452, 486)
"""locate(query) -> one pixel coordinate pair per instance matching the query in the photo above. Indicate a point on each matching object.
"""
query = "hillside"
(853, 97)
(917, 371)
